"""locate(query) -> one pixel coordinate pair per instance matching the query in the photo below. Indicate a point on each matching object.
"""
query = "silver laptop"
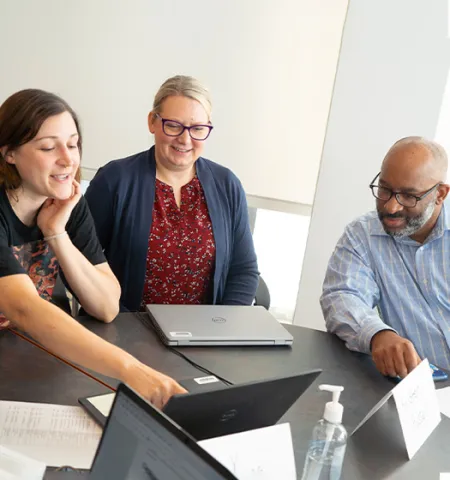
(196, 325)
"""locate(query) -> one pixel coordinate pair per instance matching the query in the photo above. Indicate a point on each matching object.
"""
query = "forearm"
(240, 288)
(243, 275)
(351, 293)
(97, 291)
(347, 316)
(65, 337)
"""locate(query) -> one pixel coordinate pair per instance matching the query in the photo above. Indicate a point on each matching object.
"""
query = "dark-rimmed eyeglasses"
(407, 200)
(174, 129)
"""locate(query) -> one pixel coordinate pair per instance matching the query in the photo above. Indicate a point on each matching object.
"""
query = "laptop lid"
(99, 406)
(237, 408)
(141, 443)
(224, 409)
(196, 325)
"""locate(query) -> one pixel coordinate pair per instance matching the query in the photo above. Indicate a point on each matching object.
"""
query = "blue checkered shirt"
(375, 282)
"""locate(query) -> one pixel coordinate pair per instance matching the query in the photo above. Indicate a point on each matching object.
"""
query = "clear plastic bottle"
(328, 442)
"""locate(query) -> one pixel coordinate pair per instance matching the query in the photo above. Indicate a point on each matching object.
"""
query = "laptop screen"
(139, 443)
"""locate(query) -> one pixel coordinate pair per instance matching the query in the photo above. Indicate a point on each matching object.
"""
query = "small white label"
(203, 380)
(180, 334)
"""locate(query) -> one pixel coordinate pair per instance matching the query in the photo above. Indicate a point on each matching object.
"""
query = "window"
(280, 242)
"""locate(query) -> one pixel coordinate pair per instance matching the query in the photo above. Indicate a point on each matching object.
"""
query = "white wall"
(269, 64)
(390, 83)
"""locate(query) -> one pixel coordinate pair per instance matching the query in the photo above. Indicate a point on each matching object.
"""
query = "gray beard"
(414, 224)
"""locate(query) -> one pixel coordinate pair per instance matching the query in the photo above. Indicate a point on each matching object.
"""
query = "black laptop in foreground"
(141, 443)
(229, 409)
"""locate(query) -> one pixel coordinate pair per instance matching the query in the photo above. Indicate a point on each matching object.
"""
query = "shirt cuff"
(368, 332)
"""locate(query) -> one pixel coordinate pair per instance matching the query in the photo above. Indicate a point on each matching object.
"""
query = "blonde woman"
(174, 225)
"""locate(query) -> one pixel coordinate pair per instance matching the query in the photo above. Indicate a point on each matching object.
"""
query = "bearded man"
(387, 287)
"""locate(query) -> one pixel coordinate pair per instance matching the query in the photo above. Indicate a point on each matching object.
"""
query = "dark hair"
(21, 116)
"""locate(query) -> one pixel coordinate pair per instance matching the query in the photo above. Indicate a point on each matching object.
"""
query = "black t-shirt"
(23, 249)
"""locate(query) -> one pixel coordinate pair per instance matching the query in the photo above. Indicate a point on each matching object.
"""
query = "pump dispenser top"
(333, 410)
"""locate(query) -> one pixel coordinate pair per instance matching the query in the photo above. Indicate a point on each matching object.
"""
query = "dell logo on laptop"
(219, 319)
(230, 415)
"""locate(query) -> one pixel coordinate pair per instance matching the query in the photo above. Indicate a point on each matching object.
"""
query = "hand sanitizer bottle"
(329, 439)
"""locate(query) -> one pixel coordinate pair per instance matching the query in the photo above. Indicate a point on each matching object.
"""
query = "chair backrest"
(262, 296)
(59, 296)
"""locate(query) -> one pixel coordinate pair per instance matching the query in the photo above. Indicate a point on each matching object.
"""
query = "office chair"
(59, 297)
(262, 296)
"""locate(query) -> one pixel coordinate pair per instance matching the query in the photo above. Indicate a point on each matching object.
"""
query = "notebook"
(223, 411)
(209, 325)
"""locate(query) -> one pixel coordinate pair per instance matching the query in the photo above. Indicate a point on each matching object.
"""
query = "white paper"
(417, 406)
(443, 395)
(261, 454)
(103, 403)
(444, 476)
(373, 411)
(15, 466)
(54, 434)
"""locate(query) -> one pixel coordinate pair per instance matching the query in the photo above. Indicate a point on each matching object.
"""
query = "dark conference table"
(28, 374)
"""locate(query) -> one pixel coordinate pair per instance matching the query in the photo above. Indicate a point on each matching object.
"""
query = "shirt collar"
(442, 224)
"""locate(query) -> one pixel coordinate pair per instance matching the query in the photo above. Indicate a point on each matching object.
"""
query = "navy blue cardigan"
(121, 198)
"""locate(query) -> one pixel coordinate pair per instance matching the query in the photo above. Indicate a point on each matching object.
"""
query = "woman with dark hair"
(45, 228)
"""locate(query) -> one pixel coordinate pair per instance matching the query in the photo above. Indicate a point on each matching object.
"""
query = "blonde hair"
(185, 86)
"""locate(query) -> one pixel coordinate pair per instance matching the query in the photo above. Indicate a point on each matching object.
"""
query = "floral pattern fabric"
(181, 248)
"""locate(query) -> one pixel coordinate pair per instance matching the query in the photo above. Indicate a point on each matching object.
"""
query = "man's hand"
(154, 386)
(393, 355)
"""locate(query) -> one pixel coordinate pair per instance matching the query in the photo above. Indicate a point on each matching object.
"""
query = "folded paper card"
(261, 454)
(416, 409)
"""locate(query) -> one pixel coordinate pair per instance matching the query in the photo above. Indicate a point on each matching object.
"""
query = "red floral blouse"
(181, 249)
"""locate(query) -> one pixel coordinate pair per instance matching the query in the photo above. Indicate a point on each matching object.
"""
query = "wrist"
(128, 368)
(380, 335)
(53, 236)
